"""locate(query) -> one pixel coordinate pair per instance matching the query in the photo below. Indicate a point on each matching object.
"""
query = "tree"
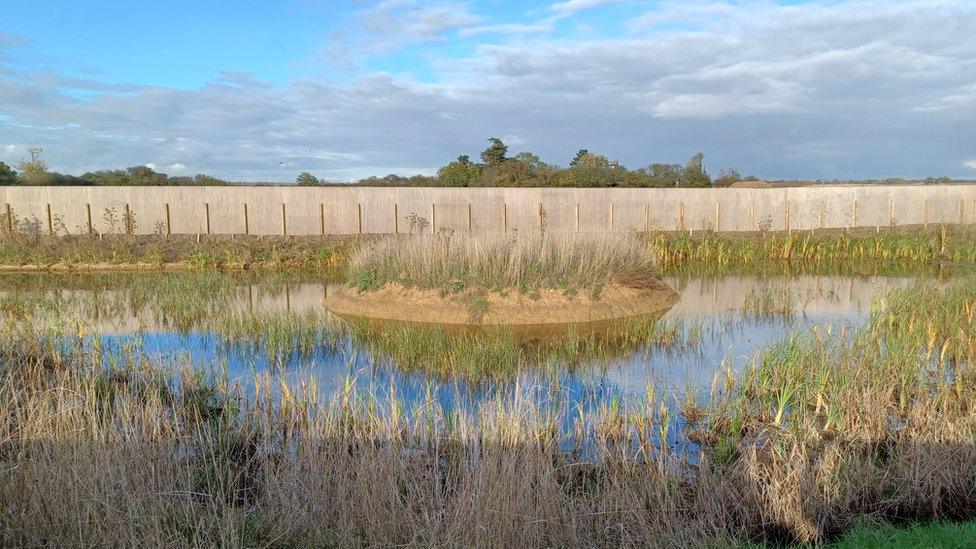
(144, 176)
(531, 160)
(726, 178)
(458, 173)
(588, 159)
(34, 171)
(7, 175)
(106, 177)
(463, 160)
(510, 173)
(495, 153)
(306, 179)
(580, 155)
(694, 174)
(665, 175)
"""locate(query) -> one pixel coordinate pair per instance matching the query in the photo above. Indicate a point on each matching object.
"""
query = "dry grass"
(447, 261)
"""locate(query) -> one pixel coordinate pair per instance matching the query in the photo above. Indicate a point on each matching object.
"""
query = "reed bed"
(213, 251)
(827, 429)
(942, 243)
(450, 261)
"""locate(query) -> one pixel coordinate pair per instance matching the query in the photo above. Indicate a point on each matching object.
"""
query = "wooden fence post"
(125, 221)
(88, 221)
(322, 218)
(504, 217)
(284, 221)
(247, 228)
(433, 218)
(169, 225)
(647, 217)
(359, 218)
(10, 219)
(396, 219)
(206, 212)
(469, 217)
(681, 216)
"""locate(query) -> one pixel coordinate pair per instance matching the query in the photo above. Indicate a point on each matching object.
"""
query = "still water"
(723, 321)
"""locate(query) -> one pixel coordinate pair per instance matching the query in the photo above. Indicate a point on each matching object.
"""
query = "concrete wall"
(372, 210)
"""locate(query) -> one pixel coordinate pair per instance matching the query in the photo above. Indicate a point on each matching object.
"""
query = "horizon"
(801, 91)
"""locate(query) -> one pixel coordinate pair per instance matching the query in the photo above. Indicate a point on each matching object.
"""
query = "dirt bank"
(548, 306)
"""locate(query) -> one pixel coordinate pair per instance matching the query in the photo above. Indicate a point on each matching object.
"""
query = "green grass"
(940, 243)
(939, 535)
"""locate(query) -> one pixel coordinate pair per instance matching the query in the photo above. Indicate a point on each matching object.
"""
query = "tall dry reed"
(536, 260)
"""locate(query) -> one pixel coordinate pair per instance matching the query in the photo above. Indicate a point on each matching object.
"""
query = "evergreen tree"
(495, 153)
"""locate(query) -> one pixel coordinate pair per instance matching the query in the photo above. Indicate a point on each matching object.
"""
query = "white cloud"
(151, 166)
(407, 21)
(512, 140)
(971, 164)
(571, 7)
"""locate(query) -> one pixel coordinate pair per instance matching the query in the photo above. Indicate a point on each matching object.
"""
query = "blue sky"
(259, 90)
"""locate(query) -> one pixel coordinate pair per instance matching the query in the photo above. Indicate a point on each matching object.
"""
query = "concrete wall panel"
(378, 210)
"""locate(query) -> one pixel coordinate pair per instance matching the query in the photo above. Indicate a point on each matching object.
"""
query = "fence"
(374, 210)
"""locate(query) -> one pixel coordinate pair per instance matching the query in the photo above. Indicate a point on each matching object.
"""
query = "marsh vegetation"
(825, 428)
(777, 407)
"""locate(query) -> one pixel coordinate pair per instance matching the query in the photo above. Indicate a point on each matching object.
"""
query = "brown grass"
(535, 260)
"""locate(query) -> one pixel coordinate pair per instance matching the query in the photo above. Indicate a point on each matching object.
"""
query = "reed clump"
(515, 262)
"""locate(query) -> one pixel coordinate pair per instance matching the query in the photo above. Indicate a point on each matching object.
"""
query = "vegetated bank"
(825, 431)
(120, 252)
(671, 250)
(518, 279)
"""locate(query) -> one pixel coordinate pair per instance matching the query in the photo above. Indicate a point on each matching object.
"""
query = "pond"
(252, 323)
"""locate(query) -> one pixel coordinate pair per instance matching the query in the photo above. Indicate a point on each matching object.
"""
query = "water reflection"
(254, 323)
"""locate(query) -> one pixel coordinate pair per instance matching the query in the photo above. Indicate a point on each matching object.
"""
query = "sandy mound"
(395, 302)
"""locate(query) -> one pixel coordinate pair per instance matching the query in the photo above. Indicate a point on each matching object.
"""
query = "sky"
(253, 90)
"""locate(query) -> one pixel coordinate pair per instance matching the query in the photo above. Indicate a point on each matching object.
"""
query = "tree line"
(525, 169)
(496, 169)
(34, 171)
